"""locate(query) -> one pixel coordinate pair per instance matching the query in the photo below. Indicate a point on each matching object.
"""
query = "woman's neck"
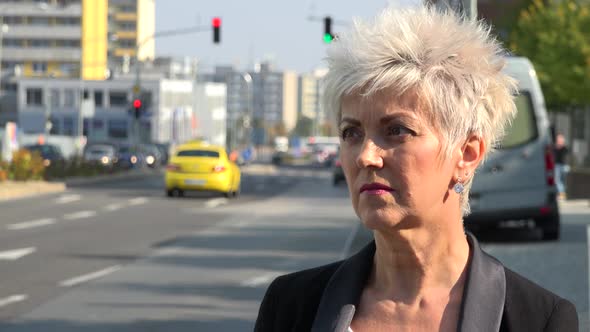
(414, 264)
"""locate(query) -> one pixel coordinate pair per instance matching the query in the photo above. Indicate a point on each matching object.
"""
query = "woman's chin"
(381, 220)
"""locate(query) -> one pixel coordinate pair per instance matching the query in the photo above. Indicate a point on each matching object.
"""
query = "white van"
(517, 180)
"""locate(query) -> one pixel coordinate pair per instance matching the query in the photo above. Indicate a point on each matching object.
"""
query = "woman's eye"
(398, 130)
(350, 133)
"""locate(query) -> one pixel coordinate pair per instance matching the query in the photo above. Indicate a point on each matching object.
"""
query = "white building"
(169, 113)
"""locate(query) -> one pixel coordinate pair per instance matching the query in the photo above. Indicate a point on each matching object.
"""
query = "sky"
(287, 32)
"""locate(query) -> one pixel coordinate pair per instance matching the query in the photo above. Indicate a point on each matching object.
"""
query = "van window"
(524, 125)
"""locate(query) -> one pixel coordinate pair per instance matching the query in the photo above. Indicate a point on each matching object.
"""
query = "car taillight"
(550, 165)
(172, 167)
(218, 168)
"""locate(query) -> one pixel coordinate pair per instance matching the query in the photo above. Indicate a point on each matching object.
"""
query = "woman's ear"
(471, 154)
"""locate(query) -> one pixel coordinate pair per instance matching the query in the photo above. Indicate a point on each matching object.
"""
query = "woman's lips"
(375, 189)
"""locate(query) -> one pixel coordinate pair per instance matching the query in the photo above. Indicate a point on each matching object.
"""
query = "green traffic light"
(328, 38)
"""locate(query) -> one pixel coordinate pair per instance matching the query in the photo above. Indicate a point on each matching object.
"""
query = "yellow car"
(199, 166)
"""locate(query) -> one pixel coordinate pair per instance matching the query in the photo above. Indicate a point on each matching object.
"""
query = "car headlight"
(46, 162)
(150, 160)
(133, 159)
(104, 160)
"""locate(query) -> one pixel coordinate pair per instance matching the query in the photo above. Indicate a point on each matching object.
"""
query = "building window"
(66, 43)
(126, 43)
(39, 67)
(98, 95)
(97, 124)
(127, 9)
(67, 68)
(12, 42)
(117, 128)
(68, 129)
(127, 26)
(34, 97)
(67, 21)
(54, 97)
(39, 43)
(43, 21)
(13, 20)
(118, 98)
(69, 98)
(55, 126)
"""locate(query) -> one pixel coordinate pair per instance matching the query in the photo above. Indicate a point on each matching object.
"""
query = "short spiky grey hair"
(452, 64)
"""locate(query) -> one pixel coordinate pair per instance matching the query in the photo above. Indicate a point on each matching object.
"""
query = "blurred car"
(164, 152)
(337, 172)
(103, 154)
(202, 167)
(51, 154)
(151, 155)
(129, 156)
(517, 180)
(324, 154)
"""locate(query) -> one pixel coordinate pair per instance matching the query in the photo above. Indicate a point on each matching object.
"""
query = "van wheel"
(550, 227)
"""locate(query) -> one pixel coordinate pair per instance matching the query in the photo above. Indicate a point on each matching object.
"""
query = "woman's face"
(390, 156)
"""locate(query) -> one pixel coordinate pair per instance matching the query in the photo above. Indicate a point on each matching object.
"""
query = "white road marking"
(215, 202)
(260, 280)
(113, 207)
(137, 201)
(90, 276)
(12, 299)
(80, 215)
(30, 224)
(64, 199)
(12, 255)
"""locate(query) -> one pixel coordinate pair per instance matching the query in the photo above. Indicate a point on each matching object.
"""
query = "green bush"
(26, 166)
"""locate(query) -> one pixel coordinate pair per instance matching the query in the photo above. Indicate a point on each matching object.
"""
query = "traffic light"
(328, 36)
(216, 23)
(137, 108)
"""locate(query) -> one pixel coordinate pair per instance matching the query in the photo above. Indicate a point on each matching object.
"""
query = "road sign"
(136, 89)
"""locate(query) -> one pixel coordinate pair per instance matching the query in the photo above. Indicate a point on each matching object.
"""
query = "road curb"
(10, 190)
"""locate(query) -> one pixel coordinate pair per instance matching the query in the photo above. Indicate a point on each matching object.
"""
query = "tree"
(555, 36)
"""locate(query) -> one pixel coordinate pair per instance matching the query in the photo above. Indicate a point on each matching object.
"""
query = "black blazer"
(495, 298)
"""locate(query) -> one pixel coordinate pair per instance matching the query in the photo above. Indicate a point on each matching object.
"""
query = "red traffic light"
(216, 22)
(137, 103)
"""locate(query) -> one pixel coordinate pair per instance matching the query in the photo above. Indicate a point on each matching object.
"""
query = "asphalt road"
(120, 256)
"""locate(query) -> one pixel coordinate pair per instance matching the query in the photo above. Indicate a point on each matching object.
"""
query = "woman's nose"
(370, 155)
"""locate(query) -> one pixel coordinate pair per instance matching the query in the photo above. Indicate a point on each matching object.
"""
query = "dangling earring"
(458, 188)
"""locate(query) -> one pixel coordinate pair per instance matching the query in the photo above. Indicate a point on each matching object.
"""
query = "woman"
(420, 100)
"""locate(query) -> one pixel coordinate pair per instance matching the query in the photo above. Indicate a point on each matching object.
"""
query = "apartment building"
(73, 38)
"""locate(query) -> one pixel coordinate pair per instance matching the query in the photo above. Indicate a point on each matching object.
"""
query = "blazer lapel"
(484, 293)
(343, 291)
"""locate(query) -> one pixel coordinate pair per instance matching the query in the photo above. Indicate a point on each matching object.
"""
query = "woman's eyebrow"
(352, 121)
(388, 118)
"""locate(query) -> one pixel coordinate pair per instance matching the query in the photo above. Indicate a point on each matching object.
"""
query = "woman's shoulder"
(525, 300)
(308, 279)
